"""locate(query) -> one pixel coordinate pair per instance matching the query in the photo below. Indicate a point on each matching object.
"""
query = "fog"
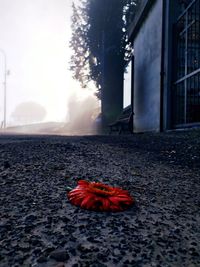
(34, 38)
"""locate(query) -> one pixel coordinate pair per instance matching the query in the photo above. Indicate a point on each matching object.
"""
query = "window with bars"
(186, 89)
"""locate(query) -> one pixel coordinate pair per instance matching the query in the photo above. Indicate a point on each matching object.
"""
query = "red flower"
(99, 197)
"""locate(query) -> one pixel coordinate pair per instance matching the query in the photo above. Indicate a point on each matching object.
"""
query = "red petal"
(97, 196)
(106, 204)
(83, 183)
(86, 201)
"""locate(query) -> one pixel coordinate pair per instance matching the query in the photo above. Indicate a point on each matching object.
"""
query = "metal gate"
(186, 86)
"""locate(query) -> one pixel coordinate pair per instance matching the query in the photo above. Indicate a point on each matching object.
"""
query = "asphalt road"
(39, 226)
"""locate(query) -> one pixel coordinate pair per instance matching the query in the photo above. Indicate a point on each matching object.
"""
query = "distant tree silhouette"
(28, 112)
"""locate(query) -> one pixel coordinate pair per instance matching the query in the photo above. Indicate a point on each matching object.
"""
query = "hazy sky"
(35, 36)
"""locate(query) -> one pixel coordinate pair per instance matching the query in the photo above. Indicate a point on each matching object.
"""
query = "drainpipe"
(132, 91)
(162, 71)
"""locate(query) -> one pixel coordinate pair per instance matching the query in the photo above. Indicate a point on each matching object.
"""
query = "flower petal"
(99, 197)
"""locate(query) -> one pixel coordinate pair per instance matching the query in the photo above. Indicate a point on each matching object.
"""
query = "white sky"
(127, 86)
(35, 35)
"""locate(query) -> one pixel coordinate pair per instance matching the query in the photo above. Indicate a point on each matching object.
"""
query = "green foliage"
(78, 44)
(99, 39)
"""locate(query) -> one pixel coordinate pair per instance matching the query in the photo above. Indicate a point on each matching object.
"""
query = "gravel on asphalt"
(39, 226)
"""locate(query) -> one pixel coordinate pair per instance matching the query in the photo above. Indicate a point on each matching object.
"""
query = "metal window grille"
(186, 88)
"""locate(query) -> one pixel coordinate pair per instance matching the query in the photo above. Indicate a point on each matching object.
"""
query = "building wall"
(147, 63)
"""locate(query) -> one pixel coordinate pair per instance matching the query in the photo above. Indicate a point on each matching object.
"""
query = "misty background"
(35, 35)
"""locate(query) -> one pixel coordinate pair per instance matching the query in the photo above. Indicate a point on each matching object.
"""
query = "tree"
(100, 48)
(28, 112)
(78, 44)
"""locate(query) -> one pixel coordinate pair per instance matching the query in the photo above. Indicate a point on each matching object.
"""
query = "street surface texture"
(39, 227)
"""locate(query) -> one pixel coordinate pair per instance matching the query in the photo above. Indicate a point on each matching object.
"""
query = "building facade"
(166, 78)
